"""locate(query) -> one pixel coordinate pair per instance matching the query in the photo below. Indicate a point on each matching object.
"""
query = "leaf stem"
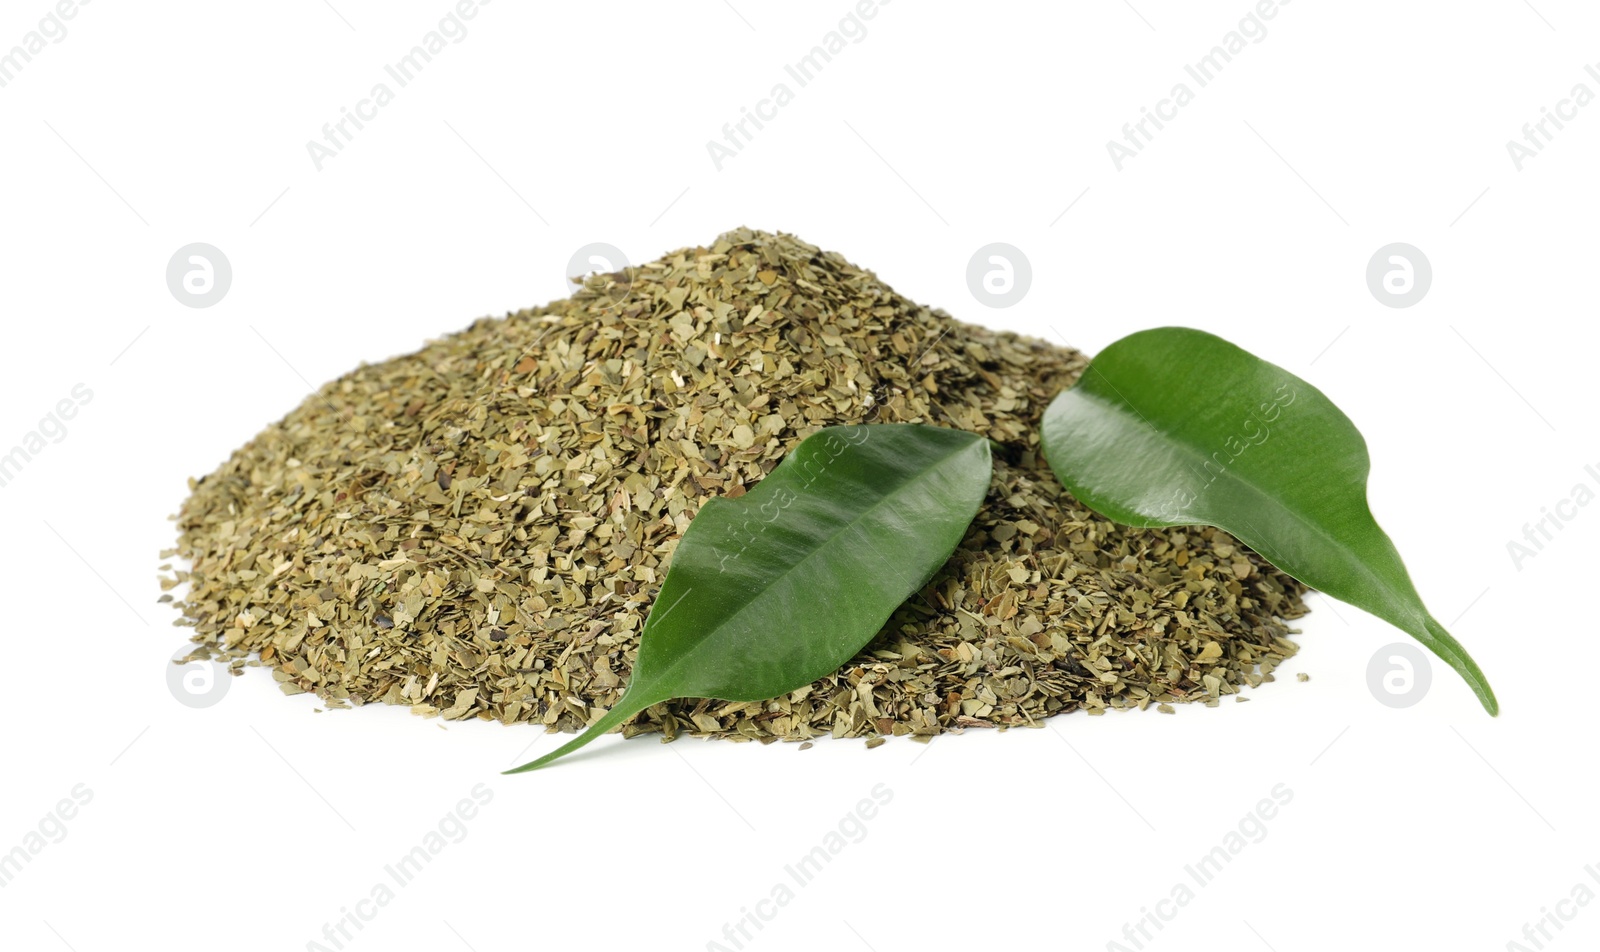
(614, 718)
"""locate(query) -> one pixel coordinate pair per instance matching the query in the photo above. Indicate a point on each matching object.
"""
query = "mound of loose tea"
(478, 529)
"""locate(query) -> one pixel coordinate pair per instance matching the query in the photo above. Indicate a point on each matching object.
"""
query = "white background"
(253, 823)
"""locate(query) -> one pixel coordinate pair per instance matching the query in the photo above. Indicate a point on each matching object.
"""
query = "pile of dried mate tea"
(477, 529)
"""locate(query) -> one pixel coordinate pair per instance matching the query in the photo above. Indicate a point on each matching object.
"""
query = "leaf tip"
(1490, 702)
(626, 707)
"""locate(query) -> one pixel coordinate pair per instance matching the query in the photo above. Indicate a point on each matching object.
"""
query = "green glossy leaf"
(773, 589)
(1174, 426)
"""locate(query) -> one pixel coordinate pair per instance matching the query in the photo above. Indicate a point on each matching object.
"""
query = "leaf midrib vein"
(920, 476)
